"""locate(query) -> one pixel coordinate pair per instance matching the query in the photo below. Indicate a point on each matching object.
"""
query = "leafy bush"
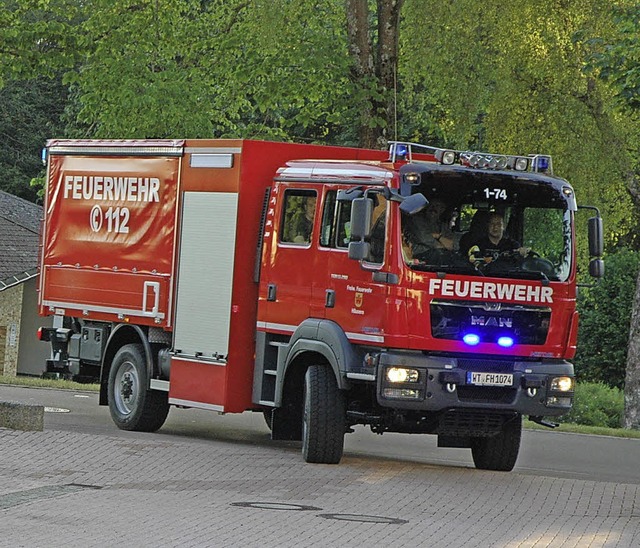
(596, 404)
(605, 313)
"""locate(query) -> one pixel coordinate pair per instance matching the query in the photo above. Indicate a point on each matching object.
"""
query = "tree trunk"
(374, 76)
(632, 379)
(362, 71)
(387, 62)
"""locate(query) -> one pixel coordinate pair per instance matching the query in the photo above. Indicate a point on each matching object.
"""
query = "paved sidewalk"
(69, 489)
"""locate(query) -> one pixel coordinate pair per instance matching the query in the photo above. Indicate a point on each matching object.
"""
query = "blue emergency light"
(402, 151)
(471, 339)
(505, 342)
(541, 163)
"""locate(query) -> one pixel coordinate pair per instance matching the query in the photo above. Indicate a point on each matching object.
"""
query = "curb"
(22, 416)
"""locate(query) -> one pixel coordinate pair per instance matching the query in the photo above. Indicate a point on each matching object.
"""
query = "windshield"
(490, 230)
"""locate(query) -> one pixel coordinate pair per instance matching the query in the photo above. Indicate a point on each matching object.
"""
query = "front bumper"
(443, 383)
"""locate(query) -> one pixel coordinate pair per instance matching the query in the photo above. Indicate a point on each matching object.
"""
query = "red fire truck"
(315, 285)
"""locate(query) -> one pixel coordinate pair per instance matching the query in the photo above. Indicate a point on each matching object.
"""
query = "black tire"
(324, 417)
(132, 406)
(499, 452)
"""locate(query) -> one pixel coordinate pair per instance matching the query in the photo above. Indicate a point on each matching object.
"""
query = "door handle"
(271, 292)
(329, 298)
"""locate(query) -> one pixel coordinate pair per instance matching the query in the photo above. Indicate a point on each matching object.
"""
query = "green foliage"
(605, 312)
(30, 113)
(511, 79)
(37, 38)
(618, 59)
(141, 76)
(596, 404)
(185, 68)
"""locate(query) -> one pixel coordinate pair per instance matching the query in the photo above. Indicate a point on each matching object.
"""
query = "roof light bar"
(539, 163)
(446, 157)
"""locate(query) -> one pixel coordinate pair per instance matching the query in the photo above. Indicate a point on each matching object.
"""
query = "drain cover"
(275, 506)
(364, 519)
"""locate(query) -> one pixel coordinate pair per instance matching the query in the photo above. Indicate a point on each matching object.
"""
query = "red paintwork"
(203, 382)
(99, 275)
(82, 260)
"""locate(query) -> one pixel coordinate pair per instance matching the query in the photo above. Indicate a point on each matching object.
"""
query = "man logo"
(491, 321)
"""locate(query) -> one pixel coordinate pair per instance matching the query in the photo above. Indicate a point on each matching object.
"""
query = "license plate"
(489, 379)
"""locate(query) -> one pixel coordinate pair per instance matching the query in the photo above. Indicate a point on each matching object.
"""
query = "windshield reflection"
(514, 241)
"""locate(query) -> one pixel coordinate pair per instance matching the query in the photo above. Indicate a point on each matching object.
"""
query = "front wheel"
(131, 404)
(499, 452)
(324, 417)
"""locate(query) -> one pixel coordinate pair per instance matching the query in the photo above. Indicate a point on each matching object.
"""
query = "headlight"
(561, 384)
(401, 374)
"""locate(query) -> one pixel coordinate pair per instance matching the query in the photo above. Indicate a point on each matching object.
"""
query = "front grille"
(482, 394)
(453, 319)
(476, 423)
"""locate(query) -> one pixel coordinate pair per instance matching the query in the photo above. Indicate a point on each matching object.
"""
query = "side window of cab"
(336, 226)
(336, 222)
(298, 217)
(378, 231)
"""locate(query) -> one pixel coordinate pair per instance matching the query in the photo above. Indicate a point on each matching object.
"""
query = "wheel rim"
(126, 388)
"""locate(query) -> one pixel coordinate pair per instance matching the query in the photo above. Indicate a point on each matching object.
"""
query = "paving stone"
(77, 490)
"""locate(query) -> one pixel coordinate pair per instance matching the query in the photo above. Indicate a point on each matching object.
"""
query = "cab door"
(290, 261)
(356, 294)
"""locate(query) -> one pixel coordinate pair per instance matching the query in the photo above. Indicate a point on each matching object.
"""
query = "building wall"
(10, 314)
(32, 353)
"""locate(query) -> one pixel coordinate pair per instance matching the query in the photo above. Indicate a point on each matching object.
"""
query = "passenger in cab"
(428, 230)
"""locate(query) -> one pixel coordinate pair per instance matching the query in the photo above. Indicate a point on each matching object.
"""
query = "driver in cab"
(494, 243)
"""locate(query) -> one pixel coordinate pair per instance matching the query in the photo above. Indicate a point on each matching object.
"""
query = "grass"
(36, 382)
(581, 429)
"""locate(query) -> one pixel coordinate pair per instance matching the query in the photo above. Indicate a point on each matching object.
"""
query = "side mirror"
(361, 213)
(596, 268)
(596, 237)
(359, 251)
(413, 204)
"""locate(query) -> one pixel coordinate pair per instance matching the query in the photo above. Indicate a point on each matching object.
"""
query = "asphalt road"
(543, 453)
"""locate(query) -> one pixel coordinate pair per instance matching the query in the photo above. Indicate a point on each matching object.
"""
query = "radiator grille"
(453, 319)
(476, 423)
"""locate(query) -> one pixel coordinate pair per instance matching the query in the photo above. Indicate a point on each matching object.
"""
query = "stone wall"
(10, 313)
(33, 353)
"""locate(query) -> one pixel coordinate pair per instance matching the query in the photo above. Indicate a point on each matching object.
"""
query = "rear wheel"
(324, 414)
(499, 452)
(132, 405)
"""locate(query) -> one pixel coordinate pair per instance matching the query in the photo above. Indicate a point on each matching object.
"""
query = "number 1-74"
(496, 193)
